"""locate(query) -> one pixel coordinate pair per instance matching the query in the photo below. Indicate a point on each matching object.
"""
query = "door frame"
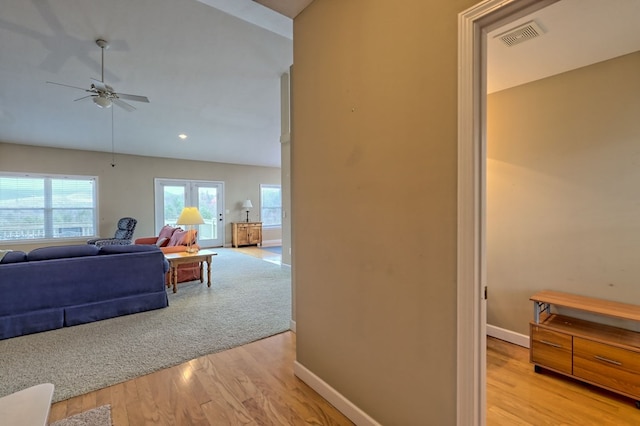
(473, 24)
(191, 190)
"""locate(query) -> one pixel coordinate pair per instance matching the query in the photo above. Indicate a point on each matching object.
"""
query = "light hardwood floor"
(516, 395)
(254, 385)
(249, 385)
(261, 254)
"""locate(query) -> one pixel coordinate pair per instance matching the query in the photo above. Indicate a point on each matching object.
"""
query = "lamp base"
(247, 216)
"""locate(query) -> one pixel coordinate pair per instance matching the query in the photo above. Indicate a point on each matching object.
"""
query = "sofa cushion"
(166, 231)
(60, 252)
(133, 248)
(13, 257)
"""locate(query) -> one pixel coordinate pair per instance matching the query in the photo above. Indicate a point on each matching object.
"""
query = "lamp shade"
(190, 216)
(247, 204)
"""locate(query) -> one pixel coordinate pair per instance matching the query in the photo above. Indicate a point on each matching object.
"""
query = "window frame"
(48, 207)
(262, 206)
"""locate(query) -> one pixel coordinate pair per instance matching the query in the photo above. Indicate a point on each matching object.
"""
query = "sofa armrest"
(146, 240)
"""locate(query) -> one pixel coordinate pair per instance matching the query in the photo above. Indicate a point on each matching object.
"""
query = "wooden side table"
(176, 259)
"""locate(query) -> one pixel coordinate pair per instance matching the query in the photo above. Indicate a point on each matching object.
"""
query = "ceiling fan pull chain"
(113, 151)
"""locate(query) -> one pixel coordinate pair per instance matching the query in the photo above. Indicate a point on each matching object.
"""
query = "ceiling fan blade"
(66, 85)
(84, 97)
(136, 98)
(123, 104)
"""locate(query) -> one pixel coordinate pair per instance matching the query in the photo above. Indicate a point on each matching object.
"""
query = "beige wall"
(374, 157)
(562, 189)
(127, 189)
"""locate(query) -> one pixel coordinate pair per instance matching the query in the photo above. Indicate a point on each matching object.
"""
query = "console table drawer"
(615, 368)
(551, 349)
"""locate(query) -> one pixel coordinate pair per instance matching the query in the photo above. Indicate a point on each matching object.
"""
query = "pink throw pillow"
(166, 232)
(177, 237)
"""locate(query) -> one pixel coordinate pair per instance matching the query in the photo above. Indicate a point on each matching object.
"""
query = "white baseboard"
(350, 410)
(271, 243)
(508, 336)
(346, 407)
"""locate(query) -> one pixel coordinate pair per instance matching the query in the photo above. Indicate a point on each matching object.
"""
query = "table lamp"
(190, 216)
(247, 205)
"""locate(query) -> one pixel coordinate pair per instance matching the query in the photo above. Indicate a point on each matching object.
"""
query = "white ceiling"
(577, 33)
(206, 73)
(214, 76)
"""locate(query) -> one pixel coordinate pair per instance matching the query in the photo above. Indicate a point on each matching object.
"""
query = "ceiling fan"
(104, 95)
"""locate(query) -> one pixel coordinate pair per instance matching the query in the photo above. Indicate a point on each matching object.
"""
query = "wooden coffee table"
(176, 259)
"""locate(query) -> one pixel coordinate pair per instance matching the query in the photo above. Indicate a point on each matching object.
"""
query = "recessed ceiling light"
(182, 136)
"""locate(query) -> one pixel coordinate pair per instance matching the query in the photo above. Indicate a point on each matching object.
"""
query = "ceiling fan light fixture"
(102, 102)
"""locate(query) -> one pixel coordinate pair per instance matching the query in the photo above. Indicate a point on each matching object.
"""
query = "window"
(38, 207)
(271, 205)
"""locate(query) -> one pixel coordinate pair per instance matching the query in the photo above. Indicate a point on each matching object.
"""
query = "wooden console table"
(176, 259)
(246, 234)
(602, 355)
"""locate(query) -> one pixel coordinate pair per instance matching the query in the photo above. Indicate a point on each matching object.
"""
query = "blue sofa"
(54, 287)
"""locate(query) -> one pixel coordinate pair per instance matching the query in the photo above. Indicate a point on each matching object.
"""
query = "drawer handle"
(610, 361)
(555, 345)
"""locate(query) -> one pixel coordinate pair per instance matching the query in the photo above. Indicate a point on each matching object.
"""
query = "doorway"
(473, 25)
(172, 195)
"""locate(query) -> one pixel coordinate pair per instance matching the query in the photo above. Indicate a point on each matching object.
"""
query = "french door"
(172, 195)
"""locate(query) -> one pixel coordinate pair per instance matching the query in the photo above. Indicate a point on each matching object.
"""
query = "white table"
(28, 407)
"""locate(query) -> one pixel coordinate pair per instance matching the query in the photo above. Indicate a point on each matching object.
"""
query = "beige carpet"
(248, 300)
(100, 416)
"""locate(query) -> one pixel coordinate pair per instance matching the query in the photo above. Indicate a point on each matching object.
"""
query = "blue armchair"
(123, 235)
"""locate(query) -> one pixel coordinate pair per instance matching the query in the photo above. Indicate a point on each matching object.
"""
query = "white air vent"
(521, 33)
